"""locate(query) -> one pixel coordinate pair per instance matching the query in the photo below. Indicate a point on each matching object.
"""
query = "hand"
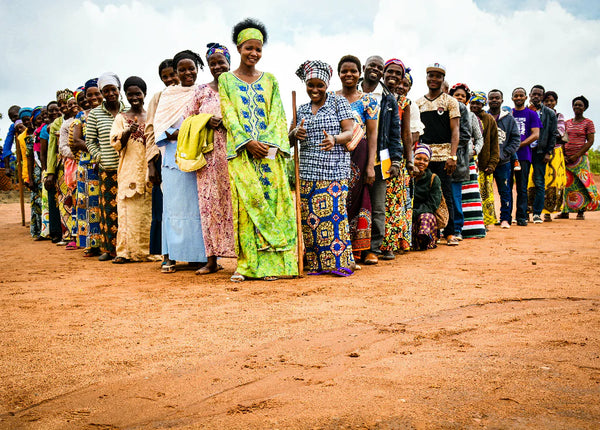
(257, 149)
(29, 184)
(411, 169)
(394, 171)
(134, 127)
(8, 172)
(370, 178)
(172, 136)
(547, 158)
(300, 131)
(450, 166)
(328, 142)
(488, 171)
(214, 122)
(153, 173)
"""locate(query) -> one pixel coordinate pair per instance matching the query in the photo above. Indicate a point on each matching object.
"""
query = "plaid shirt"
(316, 164)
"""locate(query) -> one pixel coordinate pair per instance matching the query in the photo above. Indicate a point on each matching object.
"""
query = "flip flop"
(71, 246)
(120, 260)
(237, 277)
(205, 270)
(167, 267)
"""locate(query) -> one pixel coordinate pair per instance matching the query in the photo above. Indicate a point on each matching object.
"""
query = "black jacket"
(548, 132)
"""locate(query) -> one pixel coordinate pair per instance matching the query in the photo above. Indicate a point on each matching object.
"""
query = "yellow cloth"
(194, 140)
(23, 148)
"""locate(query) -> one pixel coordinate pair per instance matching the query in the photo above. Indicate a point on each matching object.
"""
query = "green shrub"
(594, 156)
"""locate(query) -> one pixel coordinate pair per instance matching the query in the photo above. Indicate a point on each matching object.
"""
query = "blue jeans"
(539, 181)
(521, 180)
(503, 177)
(459, 218)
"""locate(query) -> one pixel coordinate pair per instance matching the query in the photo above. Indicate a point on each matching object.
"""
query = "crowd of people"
(202, 171)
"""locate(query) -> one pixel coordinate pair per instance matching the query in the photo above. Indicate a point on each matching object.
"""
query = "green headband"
(249, 33)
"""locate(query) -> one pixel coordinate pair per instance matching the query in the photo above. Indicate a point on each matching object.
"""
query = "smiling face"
(519, 98)
(578, 108)
(251, 52)
(135, 97)
(316, 90)
(421, 162)
(62, 106)
(72, 106)
(94, 97)
(349, 74)
(110, 94)
(39, 120)
(53, 112)
(460, 95)
(169, 76)
(476, 107)
(392, 76)
(550, 102)
(27, 122)
(404, 87)
(187, 72)
(435, 80)
(13, 115)
(217, 64)
(373, 70)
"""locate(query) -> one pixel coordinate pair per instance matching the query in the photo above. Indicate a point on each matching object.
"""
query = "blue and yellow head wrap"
(216, 48)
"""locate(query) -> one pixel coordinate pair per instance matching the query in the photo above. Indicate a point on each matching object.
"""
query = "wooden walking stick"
(20, 178)
(294, 142)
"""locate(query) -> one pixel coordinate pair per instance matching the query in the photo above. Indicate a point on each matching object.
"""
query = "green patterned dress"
(263, 209)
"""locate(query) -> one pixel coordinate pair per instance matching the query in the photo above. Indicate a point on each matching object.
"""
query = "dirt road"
(498, 333)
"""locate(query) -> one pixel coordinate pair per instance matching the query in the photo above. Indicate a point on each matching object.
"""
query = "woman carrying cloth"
(257, 144)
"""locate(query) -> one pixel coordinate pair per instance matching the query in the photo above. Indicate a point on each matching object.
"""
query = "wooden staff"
(20, 178)
(294, 142)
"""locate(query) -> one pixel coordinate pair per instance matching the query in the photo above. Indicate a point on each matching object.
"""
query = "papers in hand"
(272, 153)
(386, 162)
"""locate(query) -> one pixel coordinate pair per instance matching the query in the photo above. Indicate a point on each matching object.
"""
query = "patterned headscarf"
(25, 112)
(249, 34)
(315, 69)
(92, 83)
(64, 95)
(397, 62)
(78, 91)
(423, 149)
(216, 48)
(109, 78)
(462, 86)
(37, 111)
(479, 96)
(408, 76)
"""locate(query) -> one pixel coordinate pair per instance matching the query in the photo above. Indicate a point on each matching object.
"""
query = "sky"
(46, 46)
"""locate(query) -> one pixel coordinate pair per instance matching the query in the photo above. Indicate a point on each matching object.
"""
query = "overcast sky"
(487, 44)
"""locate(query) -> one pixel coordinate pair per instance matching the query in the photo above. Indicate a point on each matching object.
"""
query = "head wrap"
(423, 149)
(17, 122)
(25, 112)
(437, 67)
(462, 86)
(109, 78)
(479, 96)
(216, 48)
(507, 109)
(92, 83)
(408, 76)
(249, 34)
(78, 91)
(135, 81)
(550, 94)
(37, 111)
(586, 103)
(397, 62)
(315, 70)
(64, 95)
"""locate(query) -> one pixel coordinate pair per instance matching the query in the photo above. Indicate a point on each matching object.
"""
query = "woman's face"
(251, 52)
(135, 97)
(62, 106)
(72, 106)
(460, 95)
(169, 76)
(550, 102)
(217, 64)
(404, 87)
(53, 112)
(187, 72)
(94, 97)
(392, 76)
(44, 115)
(110, 93)
(421, 162)
(39, 120)
(578, 107)
(316, 90)
(349, 74)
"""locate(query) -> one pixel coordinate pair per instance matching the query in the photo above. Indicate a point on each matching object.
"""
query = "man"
(543, 151)
(441, 115)
(508, 143)
(487, 158)
(13, 115)
(388, 144)
(529, 129)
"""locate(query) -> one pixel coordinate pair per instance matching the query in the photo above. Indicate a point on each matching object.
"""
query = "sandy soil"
(500, 333)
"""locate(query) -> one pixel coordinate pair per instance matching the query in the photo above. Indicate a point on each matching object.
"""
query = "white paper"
(272, 153)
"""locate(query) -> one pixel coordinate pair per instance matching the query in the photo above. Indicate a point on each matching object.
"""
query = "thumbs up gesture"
(301, 131)
(328, 142)
(134, 127)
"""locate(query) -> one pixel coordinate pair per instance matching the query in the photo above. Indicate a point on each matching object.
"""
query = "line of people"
(203, 173)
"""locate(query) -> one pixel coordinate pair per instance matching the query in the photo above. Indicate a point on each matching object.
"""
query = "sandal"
(580, 216)
(205, 270)
(237, 277)
(120, 260)
(167, 266)
(71, 246)
(452, 241)
(270, 278)
(91, 252)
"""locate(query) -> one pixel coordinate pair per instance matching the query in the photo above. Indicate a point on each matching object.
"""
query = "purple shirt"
(526, 120)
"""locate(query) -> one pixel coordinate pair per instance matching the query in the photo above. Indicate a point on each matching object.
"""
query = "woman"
(38, 115)
(257, 145)
(398, 206)
(472, 207)
(134, 198)
(88, 181)
(169, 77)
(362, 171)
(325, 127)
(67, 184)
(181, 223)
(214, 191)
(25, 141)
(581, 193)
(50, 224)
(426, 201)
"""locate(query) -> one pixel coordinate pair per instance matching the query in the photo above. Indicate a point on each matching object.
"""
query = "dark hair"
(349, 59)
(519, 88)
(248, 23)
(188, 55)
(14, 108)
(53, 102)
(550, 94)
(586, 103)
(459, 87)
(495, 90)
(164, 64)
(539, 87)
(135, 81)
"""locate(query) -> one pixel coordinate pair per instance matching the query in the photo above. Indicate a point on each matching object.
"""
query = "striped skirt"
(472, 206)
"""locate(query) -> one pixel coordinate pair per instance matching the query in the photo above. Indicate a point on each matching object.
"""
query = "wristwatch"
(453, 157)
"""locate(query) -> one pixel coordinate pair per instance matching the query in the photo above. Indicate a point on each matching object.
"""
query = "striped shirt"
(577, 133)
(97, 136)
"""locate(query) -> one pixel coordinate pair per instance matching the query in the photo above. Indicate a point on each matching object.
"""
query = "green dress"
(263, 209)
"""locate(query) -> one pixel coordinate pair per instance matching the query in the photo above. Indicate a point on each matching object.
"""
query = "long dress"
(474, 226)
(182, 236)
(398, 204)
(263, 210)
(214, 191)
(66, 182)
(134, 194)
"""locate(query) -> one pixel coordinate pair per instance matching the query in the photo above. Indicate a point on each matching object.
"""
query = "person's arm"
(371, 125)
(91, 136)
(477, 134)
(394, 141)
(7, 148)
(513, 140)
(454, 129)
(560, 124)
(78, 142)
(535, 134)
(407, 140)
(119, 134)
(494, 148)
(552, 135)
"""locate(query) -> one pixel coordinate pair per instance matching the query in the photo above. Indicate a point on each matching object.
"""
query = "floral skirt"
(555, 181)
(359, 200)
(66, 204)
(486, 189)
(424, 232)
(325, 227)
(35, 225)
(398, 214)
(109, 218)
(581, 193)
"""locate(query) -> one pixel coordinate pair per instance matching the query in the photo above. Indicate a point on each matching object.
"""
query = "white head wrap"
(109, 78)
